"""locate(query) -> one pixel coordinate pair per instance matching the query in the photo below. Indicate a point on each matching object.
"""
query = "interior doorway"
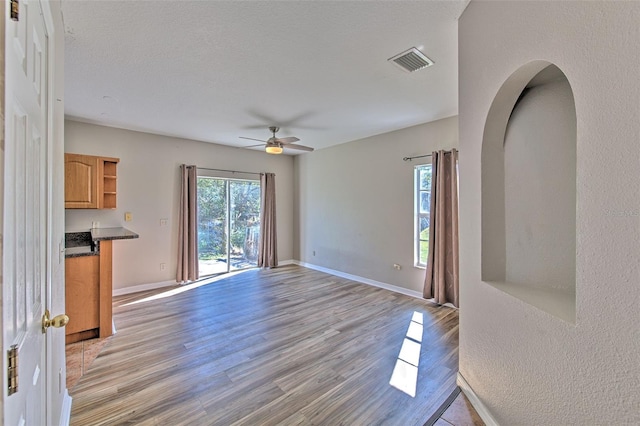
(228, 224)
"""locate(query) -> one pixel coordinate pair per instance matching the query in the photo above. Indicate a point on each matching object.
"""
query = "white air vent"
(411, 60)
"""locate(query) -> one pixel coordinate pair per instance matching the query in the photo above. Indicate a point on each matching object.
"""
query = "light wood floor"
(283, 346)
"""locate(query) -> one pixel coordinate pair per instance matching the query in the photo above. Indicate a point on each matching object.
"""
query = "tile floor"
(460, 413)
(80, 355)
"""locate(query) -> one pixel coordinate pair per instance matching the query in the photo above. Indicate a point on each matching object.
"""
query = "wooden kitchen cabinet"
(107, 171)
(82, 297)
(90, 182)
(89, 281)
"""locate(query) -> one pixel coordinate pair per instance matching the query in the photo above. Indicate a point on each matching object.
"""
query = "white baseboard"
(363, 280)
(481, 409)
(390, 287)
(65, 413)
(142, 287)
(161, 284)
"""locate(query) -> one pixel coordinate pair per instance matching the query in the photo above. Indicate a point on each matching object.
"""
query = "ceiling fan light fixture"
(275, 145)
(273, 149)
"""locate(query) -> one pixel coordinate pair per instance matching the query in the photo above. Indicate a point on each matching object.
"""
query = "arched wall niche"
(528, 186)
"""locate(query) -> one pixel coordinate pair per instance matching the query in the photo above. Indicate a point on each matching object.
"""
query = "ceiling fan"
(275, 145)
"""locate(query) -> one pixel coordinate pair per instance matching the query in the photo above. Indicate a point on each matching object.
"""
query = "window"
(422, 208)
(228, 224)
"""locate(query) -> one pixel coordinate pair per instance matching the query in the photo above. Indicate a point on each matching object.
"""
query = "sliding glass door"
(228, 224)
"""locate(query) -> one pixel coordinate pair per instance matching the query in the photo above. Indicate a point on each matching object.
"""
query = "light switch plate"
(128, 216)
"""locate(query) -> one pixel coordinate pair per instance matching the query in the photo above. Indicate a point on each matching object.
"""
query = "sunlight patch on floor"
(410, 352)
(187, 287)
(405, 373)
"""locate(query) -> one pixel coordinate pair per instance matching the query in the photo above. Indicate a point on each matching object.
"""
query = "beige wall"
(355, 203)
(149, 187)
(525, 365)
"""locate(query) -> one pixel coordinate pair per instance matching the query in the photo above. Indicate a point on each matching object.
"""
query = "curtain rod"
(422, 156)
(229, 171)
(417, 156)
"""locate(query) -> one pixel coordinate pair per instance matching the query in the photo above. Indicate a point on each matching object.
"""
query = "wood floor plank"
(288, 346)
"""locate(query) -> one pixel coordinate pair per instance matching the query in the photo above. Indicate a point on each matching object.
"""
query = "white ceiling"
(216, 70)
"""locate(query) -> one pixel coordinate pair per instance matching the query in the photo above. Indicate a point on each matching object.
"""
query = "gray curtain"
(442, 282)
(267, 253)
(188, 225)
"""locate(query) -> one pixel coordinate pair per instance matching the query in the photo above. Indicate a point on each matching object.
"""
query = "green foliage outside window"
(422, 213)
(244, 217)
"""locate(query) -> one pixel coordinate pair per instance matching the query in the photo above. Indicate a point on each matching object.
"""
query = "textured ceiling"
(216, 70)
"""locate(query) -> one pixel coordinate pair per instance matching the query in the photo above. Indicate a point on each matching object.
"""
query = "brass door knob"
(57, 321)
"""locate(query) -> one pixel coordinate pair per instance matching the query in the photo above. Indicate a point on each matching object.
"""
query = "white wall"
(56, 370)
(524, 365)
(2, 100)
(149, 187)
(355, 203)
(540, 189)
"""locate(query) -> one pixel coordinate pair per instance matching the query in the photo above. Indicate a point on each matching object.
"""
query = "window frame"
(417, 192)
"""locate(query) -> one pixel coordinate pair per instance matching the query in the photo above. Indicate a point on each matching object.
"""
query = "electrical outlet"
(164, 222)
(163, 266)
(128, 217)
(397, 267)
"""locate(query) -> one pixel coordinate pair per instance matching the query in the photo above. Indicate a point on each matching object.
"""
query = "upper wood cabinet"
(90, 182)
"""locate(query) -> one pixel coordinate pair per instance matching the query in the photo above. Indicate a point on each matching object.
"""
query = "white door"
(25, 212)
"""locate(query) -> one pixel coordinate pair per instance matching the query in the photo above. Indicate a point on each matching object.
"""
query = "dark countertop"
(103, 234)
(77, 239)
(80, 251)
(87, 243)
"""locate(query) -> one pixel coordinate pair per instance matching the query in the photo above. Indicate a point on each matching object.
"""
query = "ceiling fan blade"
(286, 141)
(253, 146)
(300, 147)
(252, 139)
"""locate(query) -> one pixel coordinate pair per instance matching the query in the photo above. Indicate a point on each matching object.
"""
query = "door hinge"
(15, 10)
(12, 373)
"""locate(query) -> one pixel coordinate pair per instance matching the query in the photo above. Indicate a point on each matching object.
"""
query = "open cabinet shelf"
(90, 182)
